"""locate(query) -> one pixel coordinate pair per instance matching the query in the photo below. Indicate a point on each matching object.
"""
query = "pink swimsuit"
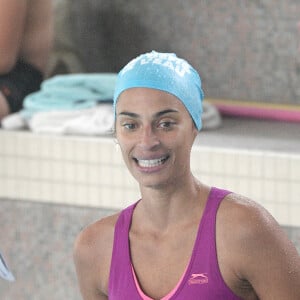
(202, 278)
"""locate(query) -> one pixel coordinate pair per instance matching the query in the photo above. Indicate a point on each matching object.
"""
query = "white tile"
(106, 153)
(116, 157)
(68, 193)
(282, 190)
(78, 194)
(31, 146)
(31, 168)
(7, 166)
(24, 167)
(79, 150)
(217, 163)
(255, 189)
(57, 171)
(94, 196)
(59, 194)
(17, 146)
(107, 198)
(70, 172)
(230, 164)
(229, 183)
(201, 161)
(93, 152)
(256, 165)
(45, 169)
(118, 194)
(45, 147)
(269, 195)
(295, 168)
(94, 174)
(8, 187)
(45, 190)
(56, 150)
(219, 181)
(294, 193)
(242, 163)
(119, 177)
(268, 166)
(282, 213)
(282, 168)
(7, 145)
(81, 173)
(68, 149)
(206, 179)
(294, 215)
(28, 189)
(243, 186)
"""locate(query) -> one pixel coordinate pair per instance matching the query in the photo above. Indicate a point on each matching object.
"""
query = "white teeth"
(151, 162)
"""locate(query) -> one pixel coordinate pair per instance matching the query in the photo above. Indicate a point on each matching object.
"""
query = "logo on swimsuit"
(201, 278)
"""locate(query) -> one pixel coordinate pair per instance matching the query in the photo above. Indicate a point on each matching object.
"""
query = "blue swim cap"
(165, 72)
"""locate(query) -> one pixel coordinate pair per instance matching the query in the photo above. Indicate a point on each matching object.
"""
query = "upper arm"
(12, 22)
(86, 270)
(267, 258)
(92, 256)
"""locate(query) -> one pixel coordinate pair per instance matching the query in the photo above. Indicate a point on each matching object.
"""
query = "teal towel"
(70, 92)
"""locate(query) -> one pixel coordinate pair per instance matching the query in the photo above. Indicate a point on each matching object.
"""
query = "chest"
(160, 262)
(187, 256)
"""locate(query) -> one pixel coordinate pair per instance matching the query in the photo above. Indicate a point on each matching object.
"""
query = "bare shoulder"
(95, 238)
(92, 255)
(250, 224)
(97, 232)
(248, 214)
(254, 247)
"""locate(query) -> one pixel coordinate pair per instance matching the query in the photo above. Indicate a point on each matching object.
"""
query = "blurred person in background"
(26, 38)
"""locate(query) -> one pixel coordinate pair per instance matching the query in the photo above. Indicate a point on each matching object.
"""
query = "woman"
(182, 239)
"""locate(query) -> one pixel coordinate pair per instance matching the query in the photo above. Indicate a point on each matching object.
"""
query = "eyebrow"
(158, 114)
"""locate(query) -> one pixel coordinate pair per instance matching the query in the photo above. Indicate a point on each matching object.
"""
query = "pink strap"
(145, 297)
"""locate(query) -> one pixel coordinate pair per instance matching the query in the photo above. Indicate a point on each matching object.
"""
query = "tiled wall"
(70, 170)
(270, 178)
(90, 172)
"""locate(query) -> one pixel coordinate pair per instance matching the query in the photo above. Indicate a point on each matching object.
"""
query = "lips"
(151, 163)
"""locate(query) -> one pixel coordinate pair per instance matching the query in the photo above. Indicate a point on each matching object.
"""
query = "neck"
(171, 205)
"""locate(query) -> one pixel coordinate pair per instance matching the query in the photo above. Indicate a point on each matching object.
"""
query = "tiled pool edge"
(89, 171)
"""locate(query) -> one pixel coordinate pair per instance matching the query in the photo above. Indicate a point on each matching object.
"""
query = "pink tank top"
(202, 279)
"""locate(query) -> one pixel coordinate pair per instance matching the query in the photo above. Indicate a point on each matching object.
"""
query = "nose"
(148, 138)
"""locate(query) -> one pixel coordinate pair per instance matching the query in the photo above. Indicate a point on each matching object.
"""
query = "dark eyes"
(165, 125)
(129, 126)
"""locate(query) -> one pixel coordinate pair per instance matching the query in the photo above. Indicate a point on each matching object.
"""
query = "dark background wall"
(245, 50)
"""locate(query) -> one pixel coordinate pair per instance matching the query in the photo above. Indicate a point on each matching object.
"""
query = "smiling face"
(155, 133)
